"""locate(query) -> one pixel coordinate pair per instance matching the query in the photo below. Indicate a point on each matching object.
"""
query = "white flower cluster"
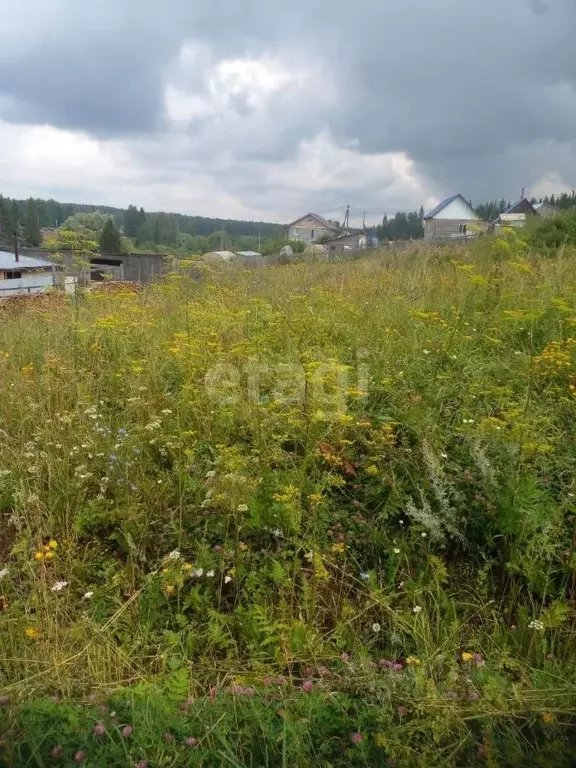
(537, 625)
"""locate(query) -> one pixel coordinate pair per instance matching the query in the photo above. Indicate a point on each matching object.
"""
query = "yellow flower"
(49, 555)
(52, 544)
(242, 546)
(164, 570)
(547, 717)
(169, 589)
(339, 548)
(33, 633)
(187, 567)
(467, 657)
(39, 556)
(413, 661)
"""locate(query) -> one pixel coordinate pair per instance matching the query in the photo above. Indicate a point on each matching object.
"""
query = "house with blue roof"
(453, 220)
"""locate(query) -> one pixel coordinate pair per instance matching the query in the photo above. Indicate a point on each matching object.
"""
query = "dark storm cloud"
(482, 95)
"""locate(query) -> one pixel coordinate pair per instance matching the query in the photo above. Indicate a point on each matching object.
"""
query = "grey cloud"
(481, 95)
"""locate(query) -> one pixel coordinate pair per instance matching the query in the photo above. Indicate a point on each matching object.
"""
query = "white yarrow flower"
(88, 595)
(3, 572)
(242, 507)
(537, 625)
(210, 574)
(59, 586)
(197, 572)
(376, 627)
(227, 579)
(396, 551)
(444, 455)
(174, 555)
(365, 576)
(424, 534)
(417, 609)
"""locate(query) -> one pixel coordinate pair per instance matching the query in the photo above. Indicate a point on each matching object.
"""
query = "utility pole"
(16, 248)
(364, 222)
(259, 246)
(347, 219)
(222, 239)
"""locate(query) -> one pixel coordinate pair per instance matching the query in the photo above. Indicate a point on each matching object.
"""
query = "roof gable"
(448, 202)
(521, 206)
(8, 262)
(323, 223)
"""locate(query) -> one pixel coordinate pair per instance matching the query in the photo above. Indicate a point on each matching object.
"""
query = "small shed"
(24, 274)
(348, 242)
(219, 257)
(516, 214)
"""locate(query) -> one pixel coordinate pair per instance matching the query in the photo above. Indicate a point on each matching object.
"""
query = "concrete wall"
(443, 230)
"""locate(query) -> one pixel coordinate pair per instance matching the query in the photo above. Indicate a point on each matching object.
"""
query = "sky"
(252, 110)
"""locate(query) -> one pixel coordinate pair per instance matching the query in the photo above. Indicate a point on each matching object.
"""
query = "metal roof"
(8, 262)
(517, 204)
(445, 204)
(248, 254)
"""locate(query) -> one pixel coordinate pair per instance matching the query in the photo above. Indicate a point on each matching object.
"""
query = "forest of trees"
(146, 231)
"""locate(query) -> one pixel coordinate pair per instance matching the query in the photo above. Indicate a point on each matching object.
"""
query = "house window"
(312, 235)
(13, 275)
(463, 229)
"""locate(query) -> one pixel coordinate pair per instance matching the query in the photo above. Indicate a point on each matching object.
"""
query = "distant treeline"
(139, 225)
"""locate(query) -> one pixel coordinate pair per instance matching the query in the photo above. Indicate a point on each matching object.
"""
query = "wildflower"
(174, 555)
(213, 693)
(168, 736)
(127, 731)
(356, 738)
(417, 609)
(196, 573)
(169, 589)
(466, 657)
(396, 551)
(537, 625)
(397, 667)
(3, 572)
(99, 729)
(88, 595)
(59, 586)
(166, 411)
(424, 534)
(212, 473)
(444, 455)
(376, 627)
(413, 661)
(39, 556)
(365, 576)
(277, 532)
(548, 718)
(217, 548)
(57, 751)
(210, 574)
(338, 549)
(191, 741)
(307, 686)
(49, 555)
(227, 579)
(32, 633)
(426, 351)
(345, 657)
(402, 711)
(52, 544)
(242, 507)
(309, 556)
(80, 756)
(141, 764)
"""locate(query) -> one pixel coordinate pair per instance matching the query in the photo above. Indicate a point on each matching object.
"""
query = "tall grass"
(333, 504)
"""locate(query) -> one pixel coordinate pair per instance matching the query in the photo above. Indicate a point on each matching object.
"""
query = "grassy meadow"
(311, 515)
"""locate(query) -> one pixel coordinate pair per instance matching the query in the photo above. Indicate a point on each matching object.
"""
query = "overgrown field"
(306, 515)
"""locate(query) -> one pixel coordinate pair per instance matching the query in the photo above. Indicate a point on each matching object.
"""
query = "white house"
(452, 220)
(310, 228)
